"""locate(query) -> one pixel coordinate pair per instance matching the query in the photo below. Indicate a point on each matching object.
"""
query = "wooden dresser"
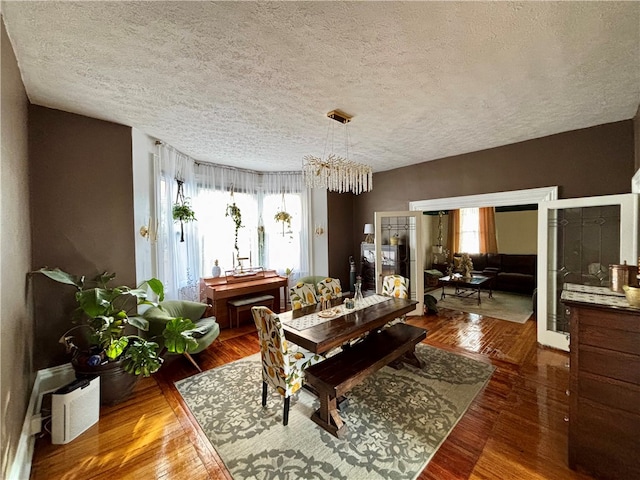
(604, 403)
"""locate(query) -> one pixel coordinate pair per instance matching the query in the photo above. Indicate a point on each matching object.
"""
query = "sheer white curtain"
(178, 262)
(260, 239)
(288, 250)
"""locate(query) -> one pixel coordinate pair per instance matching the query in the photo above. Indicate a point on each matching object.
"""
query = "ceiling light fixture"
(336, 173)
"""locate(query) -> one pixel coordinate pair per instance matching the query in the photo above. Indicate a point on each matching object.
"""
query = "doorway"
(531, 196)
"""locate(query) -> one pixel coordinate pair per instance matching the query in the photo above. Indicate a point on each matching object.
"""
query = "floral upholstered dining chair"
(329, 288)
(302, 295)
(283, 363)
(395, 286)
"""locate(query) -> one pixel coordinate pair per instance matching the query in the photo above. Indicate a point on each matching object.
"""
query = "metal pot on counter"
(620, 275)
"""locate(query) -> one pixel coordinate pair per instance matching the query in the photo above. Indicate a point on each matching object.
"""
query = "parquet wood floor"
(514, 429)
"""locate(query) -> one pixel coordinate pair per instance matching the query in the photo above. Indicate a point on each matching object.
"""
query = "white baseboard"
(47, 380)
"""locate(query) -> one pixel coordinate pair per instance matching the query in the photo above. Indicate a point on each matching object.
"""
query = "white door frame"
(416, 281)
(496, 199)
(628, 203)
(529, 196)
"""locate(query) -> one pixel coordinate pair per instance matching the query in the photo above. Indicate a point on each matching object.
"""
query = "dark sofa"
(513, 273)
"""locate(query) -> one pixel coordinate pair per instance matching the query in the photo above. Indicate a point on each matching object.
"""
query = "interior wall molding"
(497, 199)
(635, 182)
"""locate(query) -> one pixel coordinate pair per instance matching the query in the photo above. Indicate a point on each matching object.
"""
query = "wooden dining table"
(349, 324)
(321, 330)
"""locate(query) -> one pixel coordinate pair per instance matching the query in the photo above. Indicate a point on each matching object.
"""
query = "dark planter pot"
(116, 385)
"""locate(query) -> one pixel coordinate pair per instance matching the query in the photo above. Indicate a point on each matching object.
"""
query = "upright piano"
(217, 291)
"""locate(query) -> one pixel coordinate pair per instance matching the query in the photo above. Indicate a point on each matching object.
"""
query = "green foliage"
(234, 212)
(102, 315)
(284, 217)
(142, 358)
(182, 212)
(177, 336)
(116, 347)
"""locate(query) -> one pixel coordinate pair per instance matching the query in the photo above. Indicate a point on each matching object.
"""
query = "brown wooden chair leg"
(285, 414)
(192, 361)
(264, 394)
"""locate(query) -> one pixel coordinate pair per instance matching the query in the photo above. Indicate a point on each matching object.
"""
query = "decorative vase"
(357, 297)
(215, 271)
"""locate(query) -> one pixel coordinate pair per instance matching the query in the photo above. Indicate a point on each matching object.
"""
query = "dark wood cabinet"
(604, 402)
(395, 260)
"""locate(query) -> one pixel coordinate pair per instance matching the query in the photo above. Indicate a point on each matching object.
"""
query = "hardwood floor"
(514, 429)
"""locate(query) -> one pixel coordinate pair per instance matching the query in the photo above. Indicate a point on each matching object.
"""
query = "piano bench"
(239, 305)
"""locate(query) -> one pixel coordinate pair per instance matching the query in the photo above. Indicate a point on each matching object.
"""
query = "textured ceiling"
(248, 84)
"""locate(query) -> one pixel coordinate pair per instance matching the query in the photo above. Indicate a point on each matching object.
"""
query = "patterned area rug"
(513, 307)
(396, 420)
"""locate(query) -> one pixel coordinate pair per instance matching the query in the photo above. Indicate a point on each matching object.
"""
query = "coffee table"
(467, 286)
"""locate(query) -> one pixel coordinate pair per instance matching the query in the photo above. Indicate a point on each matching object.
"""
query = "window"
(470, 230)
(260, 239)
(281, 244)
(216, 231)
(274, 251)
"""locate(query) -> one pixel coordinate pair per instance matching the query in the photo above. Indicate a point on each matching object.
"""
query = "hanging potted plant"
(284, 217)
(182, 211)
(234, 212)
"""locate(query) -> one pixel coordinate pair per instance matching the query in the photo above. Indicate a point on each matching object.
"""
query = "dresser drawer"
(609, 392)
(604, 406)
(612, 339)
(607, 363)
(605, 441)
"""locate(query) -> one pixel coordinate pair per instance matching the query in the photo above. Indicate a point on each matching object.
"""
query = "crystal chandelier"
(336, 173)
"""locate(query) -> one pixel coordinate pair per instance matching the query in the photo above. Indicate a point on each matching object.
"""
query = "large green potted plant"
(105, 339)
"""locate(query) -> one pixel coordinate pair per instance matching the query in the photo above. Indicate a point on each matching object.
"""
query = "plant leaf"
(95, 301)
(156, 287)
(177, 338)
(142, 358)
(62, 277)
(139, 322)
(104, 278)
(116, 347)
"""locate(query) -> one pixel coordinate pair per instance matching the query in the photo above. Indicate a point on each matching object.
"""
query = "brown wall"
(340, 246)
(592, 161)
(81, 212)
(15, 322)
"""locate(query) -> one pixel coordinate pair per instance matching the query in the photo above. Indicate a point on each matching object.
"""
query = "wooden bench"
(242, 304)
(338, 374)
